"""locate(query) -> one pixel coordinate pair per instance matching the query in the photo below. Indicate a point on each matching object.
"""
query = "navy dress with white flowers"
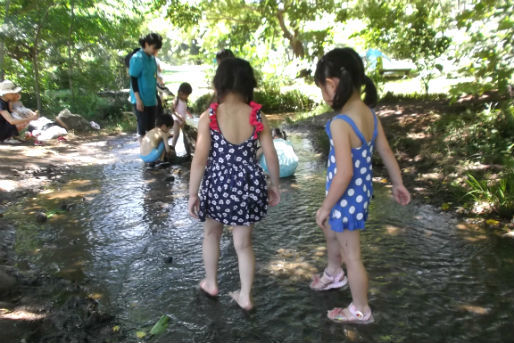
(351, 210)
(233, 190)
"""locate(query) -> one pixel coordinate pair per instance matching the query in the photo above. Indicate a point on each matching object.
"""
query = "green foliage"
(407, 29)
(484, 138)
(202, 103)
(74, 45)
(489, 52)
(273, 101)
(498, 193)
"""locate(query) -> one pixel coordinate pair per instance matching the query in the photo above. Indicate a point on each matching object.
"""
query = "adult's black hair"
(164, 119)
(345, 64)
(235, 75)
(153, 38)
(185, 88)
(224, 53)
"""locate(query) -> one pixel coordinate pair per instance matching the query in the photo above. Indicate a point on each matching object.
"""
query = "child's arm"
(13, 121)
(400, 193)
(341, 135)
(203, 146)
(270, 154)
(165, 136)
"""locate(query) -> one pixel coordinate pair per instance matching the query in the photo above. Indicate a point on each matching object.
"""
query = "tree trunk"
(70, 57)
(35, 59)
(295, 43)
(2, 44)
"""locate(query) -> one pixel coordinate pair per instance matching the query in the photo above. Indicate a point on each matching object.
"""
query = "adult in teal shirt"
(143, 82)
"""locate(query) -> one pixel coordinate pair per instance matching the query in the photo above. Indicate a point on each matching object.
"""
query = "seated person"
(287, 159)
(19, 111)
(10, 126)
(154, 145)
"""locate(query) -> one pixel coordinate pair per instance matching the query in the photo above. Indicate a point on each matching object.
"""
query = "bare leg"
(246, 261)
(357, 276)
(211, 251)
(334, 258)
(333, 276)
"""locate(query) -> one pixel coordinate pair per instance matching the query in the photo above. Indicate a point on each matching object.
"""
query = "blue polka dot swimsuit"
(351, 210)
(234, 190)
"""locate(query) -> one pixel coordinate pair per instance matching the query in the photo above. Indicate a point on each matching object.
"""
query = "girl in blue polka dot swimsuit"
(353, 134)
(233, 186)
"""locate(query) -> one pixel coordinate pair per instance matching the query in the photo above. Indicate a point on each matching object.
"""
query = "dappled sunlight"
(290, 264)
(351, 333)
(73, 189)
(429, 176)
(418, 135)
(474, 309)
(20, 315)
(394, 230)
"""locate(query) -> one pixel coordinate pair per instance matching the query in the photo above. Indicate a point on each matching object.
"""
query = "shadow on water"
(127, 234)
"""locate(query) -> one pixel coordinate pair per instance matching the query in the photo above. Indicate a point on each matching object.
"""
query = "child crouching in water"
(233, 191)
(154, 145)
(353, 134)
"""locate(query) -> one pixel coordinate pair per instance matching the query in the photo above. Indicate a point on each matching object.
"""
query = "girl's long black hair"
(235, 75)
(345, 64)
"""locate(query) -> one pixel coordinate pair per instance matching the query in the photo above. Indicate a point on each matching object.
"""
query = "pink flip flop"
(327, 281)
(350, 315)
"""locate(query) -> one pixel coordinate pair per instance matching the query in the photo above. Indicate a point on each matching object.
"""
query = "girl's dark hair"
(224, 53)
(185, 88)
(345, 64)
(235, 75)
(154, 39)
(279, 133)
(164, 119)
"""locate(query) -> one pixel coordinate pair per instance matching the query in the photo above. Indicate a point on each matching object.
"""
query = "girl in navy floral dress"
(353, 132)
(233, 186)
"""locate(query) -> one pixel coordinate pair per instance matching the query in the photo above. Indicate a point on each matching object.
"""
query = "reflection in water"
(431, 280)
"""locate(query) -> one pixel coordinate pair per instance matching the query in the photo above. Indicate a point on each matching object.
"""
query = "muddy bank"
(35, 306)
(433, 175)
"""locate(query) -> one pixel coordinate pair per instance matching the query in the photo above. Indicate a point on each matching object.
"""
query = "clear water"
(432, 279)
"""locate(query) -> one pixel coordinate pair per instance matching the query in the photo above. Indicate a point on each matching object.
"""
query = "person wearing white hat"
(9, 126)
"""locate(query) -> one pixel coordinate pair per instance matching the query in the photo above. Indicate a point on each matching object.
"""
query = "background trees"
(62, 52)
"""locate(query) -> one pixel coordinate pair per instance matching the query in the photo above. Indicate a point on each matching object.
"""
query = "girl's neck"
(354, 99)
(232, 99)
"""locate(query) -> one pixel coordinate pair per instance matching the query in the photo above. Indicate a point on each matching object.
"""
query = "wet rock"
(509, 234)
(170, 178)
(168, 259)
(7, 282)
(41, 217)
(72, 121)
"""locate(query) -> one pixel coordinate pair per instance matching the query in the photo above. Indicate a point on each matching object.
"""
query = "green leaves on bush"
(273, 101)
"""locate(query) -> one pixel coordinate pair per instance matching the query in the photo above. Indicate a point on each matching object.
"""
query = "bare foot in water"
(208, 289)
(245, 304)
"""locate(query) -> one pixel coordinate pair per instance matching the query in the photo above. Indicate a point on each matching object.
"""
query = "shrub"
(273, 101)
(202, 103)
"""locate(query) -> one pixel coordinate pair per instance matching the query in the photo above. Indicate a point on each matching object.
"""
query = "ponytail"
(371, 97)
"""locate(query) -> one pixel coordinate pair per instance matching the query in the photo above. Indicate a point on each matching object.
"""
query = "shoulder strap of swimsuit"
(255, 118)
(354, 127)
(375, 130)
(212, 116)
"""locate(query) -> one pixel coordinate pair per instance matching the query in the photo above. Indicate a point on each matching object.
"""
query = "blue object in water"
(287, 159)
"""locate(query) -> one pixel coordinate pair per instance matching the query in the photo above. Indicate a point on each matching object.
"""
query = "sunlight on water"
(125, 229)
